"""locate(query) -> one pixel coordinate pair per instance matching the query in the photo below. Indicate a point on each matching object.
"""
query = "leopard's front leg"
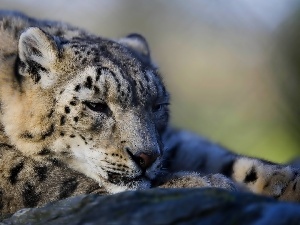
(193, 180)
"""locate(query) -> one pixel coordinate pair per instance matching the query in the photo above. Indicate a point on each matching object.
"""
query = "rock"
(163, 206)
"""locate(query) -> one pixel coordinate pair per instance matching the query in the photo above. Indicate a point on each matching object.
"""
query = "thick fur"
(83, 114)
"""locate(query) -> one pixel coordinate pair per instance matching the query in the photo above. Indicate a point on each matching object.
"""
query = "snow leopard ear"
(37, 52)
(137, 43)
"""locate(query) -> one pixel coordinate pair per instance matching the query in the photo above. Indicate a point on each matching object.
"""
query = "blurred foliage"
(217, 58)
(287, 68)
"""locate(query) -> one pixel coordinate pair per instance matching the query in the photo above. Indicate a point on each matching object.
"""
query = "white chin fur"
(136, 185)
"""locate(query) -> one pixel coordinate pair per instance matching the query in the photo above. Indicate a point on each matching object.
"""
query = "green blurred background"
(231, 66)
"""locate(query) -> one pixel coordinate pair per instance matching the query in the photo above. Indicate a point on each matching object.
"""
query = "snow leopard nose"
(144, 160)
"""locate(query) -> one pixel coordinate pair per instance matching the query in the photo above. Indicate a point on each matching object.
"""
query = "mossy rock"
(163, 206)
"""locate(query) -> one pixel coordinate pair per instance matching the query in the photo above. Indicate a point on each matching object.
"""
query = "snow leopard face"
(96, 104)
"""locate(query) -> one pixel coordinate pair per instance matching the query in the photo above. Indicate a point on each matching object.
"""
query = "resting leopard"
(86, 114)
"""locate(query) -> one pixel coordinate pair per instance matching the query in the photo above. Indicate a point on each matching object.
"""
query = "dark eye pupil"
(97, 107)
(157, 107)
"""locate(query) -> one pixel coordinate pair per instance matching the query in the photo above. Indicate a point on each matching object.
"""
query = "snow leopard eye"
(159, 107)
(99, 107)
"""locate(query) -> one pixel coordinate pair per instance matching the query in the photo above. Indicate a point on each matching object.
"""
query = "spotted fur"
(82, 114)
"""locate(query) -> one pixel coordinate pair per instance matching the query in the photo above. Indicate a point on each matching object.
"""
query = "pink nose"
(144, 160)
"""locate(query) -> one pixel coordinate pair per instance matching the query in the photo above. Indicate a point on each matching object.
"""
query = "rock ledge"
(162, 206)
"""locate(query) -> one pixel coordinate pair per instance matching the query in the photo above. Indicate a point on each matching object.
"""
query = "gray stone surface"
(163, 206)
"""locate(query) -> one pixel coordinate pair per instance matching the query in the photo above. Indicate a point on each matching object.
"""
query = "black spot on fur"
(41, 172)
(67, 188)
(14, 172)
(44, 151)
(51, 113)
(77, 88)
(62, 120)
(30, 196)
(97, 77)
(72, 136)
(83, 61)
(26, 135)
(98, 71)
(83, 138)
(4, 145)
(96, 59)
(62, 134)
(96, 89)
(75, 119)
(251, 176)
(67, 109)
(89, 82)
(49, 132)
(227, 168)
(56, 162)
(73, 103)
